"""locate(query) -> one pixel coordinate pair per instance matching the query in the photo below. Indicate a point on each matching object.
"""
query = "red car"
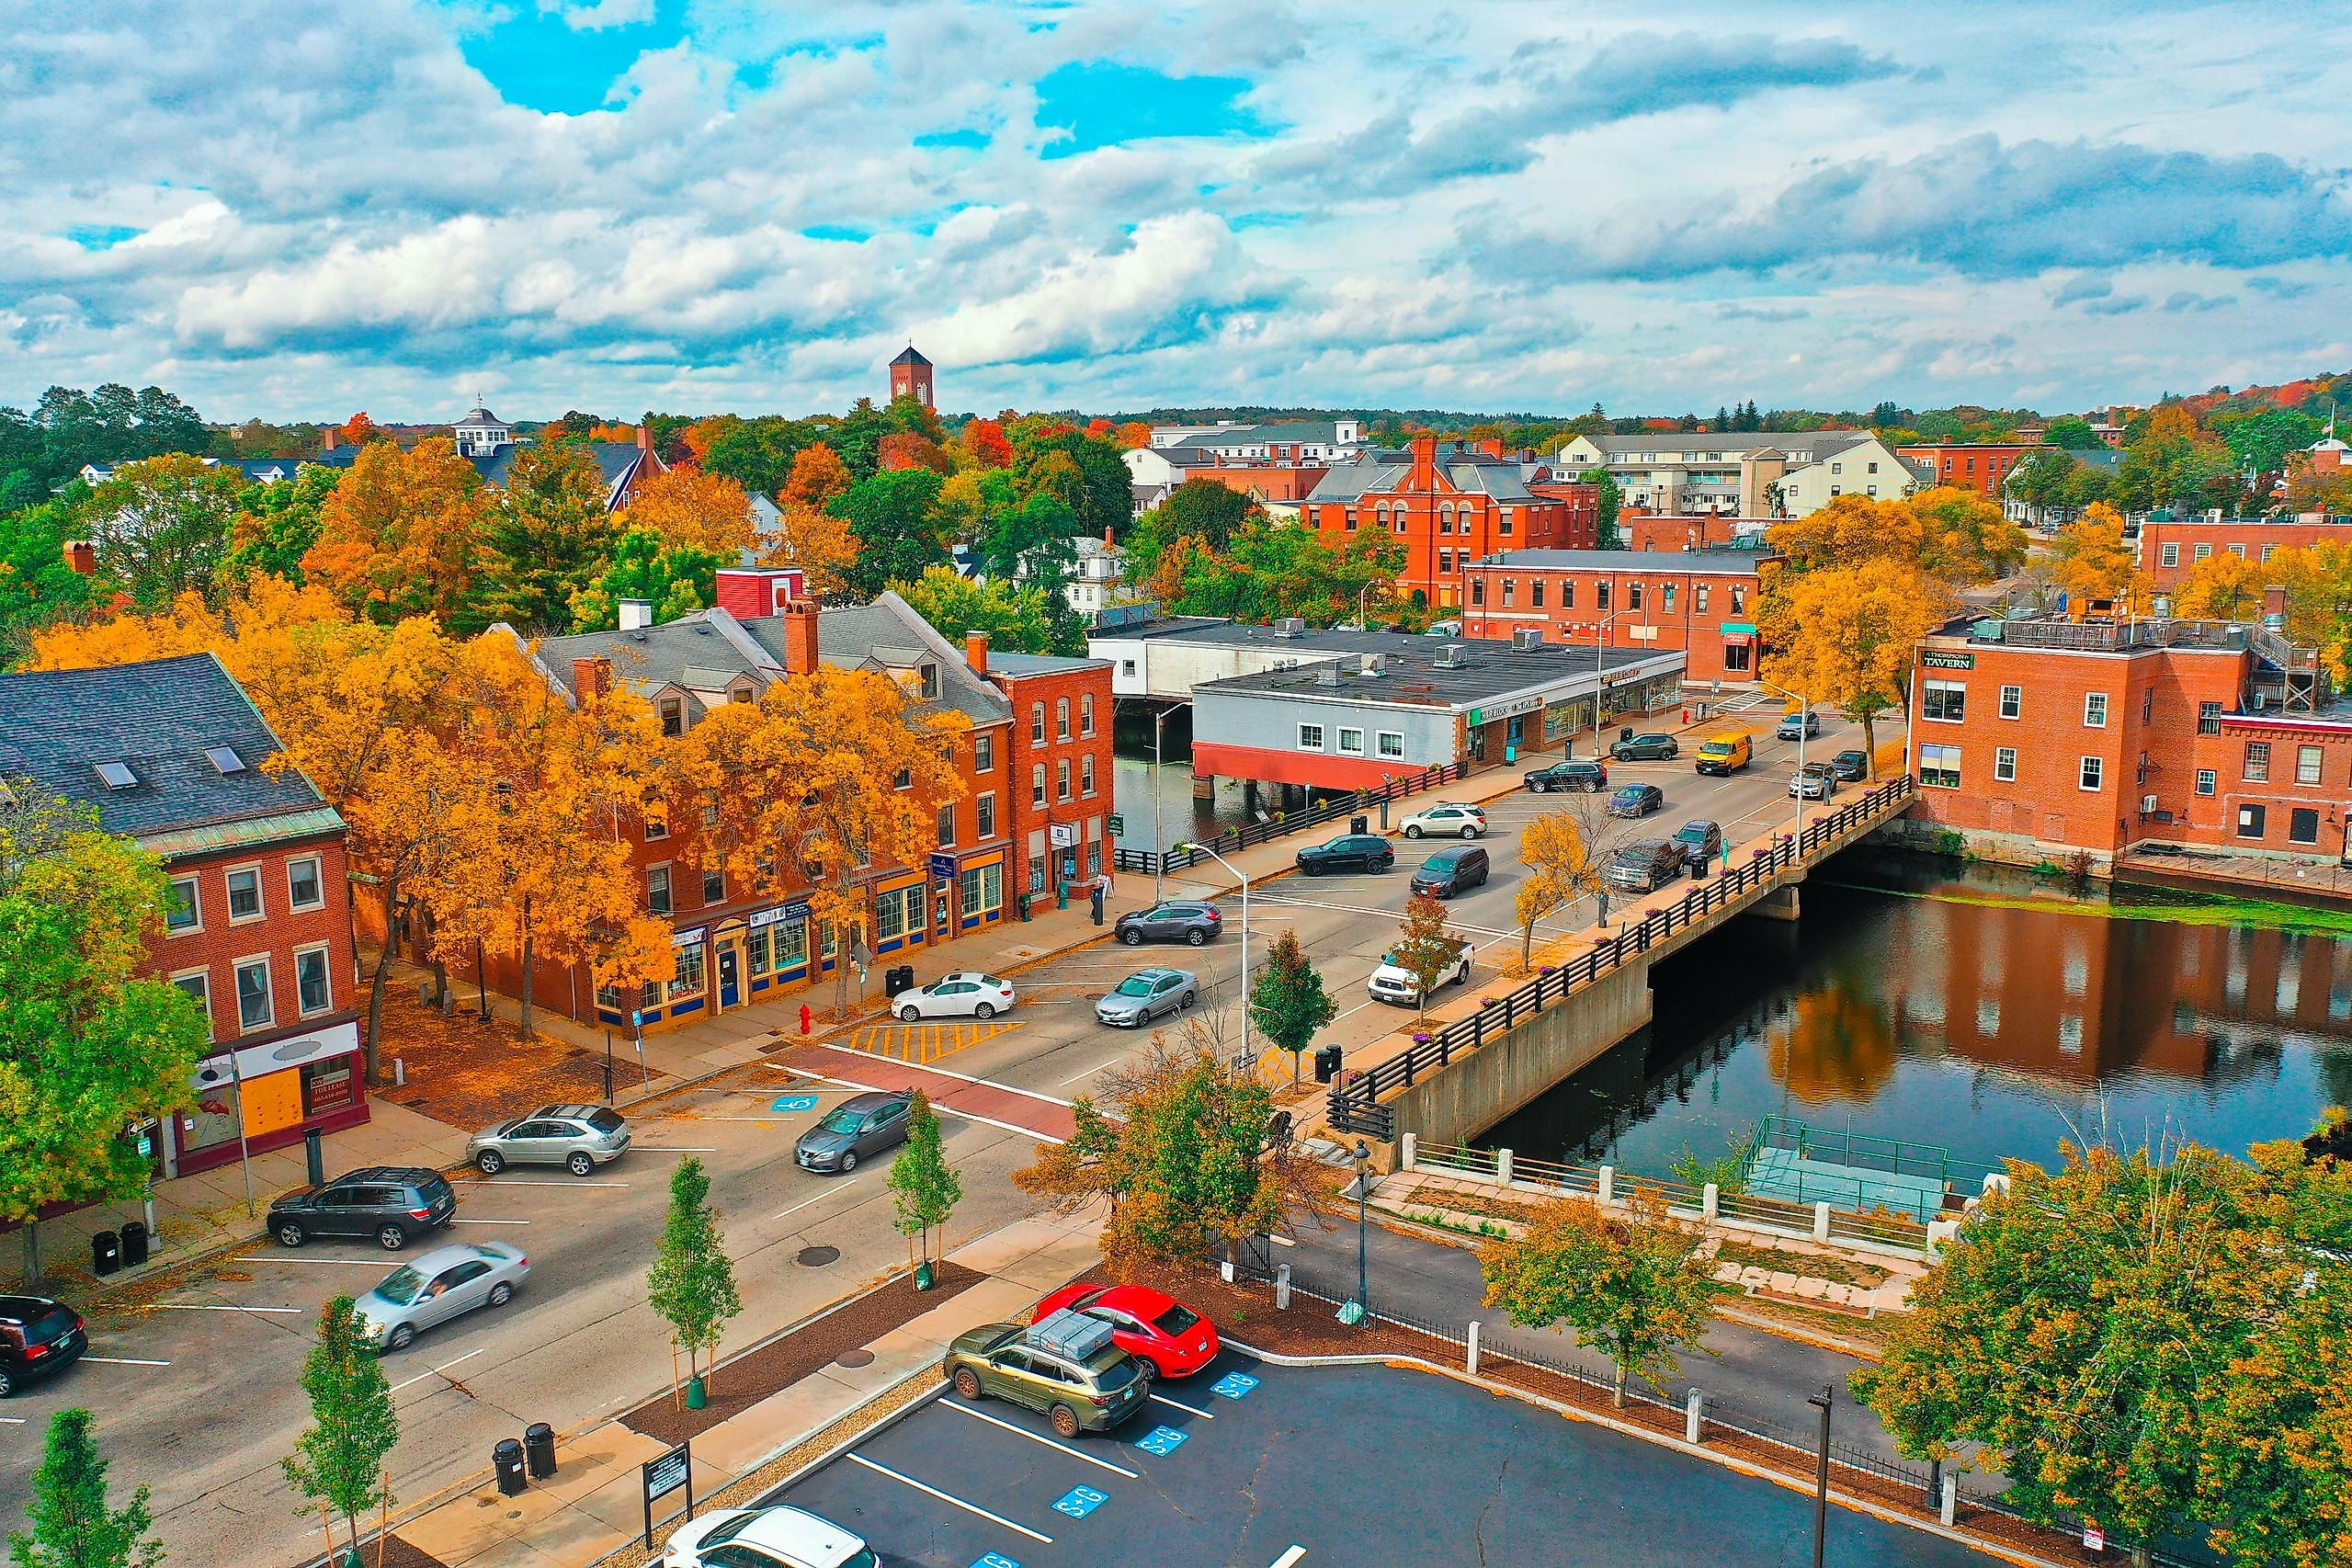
(1174, 1338)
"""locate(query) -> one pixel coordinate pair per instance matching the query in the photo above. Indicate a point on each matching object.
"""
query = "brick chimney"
(2274, 602)
(1493, 447)
(975, 652)
(1423, 473)
(327, 438)
(1108, 542)
(645, 438)
(800, 637)
(81, 556)
(591, 679)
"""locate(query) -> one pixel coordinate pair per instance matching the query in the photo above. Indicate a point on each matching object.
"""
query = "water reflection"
(1180, 816)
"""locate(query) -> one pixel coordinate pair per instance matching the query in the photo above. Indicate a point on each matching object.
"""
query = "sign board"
(1938, 661)
(687, 938)
(1118, 825)
(1062, 834)
(781, 912)
(662, 1474)
(943, 866)
(2095, 1537)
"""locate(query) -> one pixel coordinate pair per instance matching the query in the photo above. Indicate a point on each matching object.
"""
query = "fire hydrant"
(1686, 715)
(805, 1017)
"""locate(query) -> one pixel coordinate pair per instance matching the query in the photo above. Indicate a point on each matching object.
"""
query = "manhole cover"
(817, 1258)
(854, 1359)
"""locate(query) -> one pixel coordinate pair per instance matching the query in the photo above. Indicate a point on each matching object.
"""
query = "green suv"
(1069, 1371)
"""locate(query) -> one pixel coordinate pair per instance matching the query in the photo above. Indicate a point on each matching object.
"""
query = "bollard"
(1711, 1202)
(1282, 1287)
(1693, 1412)
(399, 1073)
(1503, 1167)
(1951, 1499)
(1408, 1151)
(1473, 1349)
(1608, 1183)
(1821, 1222)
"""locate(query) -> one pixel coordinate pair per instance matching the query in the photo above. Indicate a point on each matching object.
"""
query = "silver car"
(444, 1283)
(1146, 994)
(577, 1137)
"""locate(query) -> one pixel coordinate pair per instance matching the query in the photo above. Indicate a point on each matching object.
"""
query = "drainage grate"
(854, 1359)
(817, 1258)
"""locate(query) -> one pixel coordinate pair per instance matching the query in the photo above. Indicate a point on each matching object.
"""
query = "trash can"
(507, 1460)
(1326, 1064)
(538, 1448)
(1023, 901)
(1360, 824)
(898, 978)
(134, 1244)
(105, 1253)
(1061, 896)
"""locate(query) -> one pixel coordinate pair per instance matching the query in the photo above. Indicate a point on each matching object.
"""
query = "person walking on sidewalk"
(1096, 893)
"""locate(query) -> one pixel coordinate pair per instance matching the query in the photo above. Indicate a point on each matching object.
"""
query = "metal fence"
(1248, 835)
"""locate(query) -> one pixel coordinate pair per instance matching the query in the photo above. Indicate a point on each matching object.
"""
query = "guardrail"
(1250, 834)
(1355, 1105)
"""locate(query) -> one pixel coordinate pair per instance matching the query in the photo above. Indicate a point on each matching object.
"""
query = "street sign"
(662, 1474)
(1118, 825)
(2095, 1537)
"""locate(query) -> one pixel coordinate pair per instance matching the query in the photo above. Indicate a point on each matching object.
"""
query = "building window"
(1061, 780)
(1698, 597)
(2251, 821)
(1478, 591)
(2095, 710)
(981, 889)
(253, 1011)
(245, 894)
(1351, 743)
(1086, 714)
(2307, 764)
(927, 673)
(1037, 785)
(312, 992)
(2238, 551)
(2268, 551)
(1944, 701)
(1351, 524)
(2208, 718)
(2013, 702)
(303, 889)
(1446, 560)
(1739, 598)
(687, 979)
(2169, 555)
(983, 753)
(946, 826)
(1127, 667)
(185, 912)
(657, 821)
(1535, 592)
(198, 983)
(1940, 766)
(1504, 526)
(1445, 519)
(657, 889)
(2147, 703)
(711, 808)
(714, 886)
(2093, 771)
(2205, 780)
(904, 779)
(2257, 761)
(1632, 595)
(2004, 763)
(2202, 551)
(2303, 825)
(1086, 774)
(1392, 742)
(1510, 588)
(1311, 737)
(984, 812)
(1061, 718)
(673, 716)
(1567, 593)
(1037, 723)
(1666, 598)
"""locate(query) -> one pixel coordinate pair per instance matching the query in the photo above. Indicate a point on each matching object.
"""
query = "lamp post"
(1804, 724)
(1821, 1403)
(1204, 849)
(1362, 1155)
(1159, 846)
(1599, 644)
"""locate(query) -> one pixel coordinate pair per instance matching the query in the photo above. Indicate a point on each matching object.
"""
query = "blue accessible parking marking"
(1161, 1440)
(1082, 1501)
(798, 1102)
(996, 1560)
(1234, 1385)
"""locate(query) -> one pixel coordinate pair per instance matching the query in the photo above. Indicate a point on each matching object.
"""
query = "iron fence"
(1251, 833)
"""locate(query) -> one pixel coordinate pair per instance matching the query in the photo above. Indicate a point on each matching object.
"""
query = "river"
(1984, 1012)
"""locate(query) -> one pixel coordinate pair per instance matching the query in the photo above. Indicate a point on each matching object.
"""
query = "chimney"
(328, 438)
(1108, 542)
(1424, 463)
(975, 652)
(800, 637)
(636, 615)
(645, 438)
(81, 557)
(2273, 602)
(1491, 446)
(591, 679)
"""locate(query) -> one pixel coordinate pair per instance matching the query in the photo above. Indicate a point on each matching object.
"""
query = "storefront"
(900, 912)
(276, 1092)
(969, 891)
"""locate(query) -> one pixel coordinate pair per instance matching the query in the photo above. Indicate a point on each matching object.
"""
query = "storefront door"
(729, 987)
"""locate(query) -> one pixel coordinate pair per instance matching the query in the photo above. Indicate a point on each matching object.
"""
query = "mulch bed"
(797, 1352)
(469, 1074)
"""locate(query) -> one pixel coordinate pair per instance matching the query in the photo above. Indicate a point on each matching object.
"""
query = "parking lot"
(1255, 1465)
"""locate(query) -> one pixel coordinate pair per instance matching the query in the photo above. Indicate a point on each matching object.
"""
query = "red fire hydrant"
(1686, 715)
(805, 1017)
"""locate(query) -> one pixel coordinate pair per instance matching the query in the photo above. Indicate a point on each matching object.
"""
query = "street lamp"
(1804, 724)
(1363, 1158)
(1159, 847)
(1599, 644)
(1204, 849)
(1821, 1403)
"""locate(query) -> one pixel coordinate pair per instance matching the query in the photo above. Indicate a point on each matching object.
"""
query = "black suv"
(38, 1336)
(1588, 776)
(392, 1203)
(1349, 852)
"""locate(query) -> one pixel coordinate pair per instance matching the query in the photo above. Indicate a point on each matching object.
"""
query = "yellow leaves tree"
(812, 539)
(398, 536)
(692, 507)
(2318, 580)
(2221, 587)
(2089, 560)
(1952, 534)
(1963, 538)
(1564, 856)
(1844, 637)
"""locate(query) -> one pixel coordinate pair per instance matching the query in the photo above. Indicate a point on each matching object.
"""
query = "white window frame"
(983, 753)
(1036, 784)
(668, 904)
(1931, 689)
(2090, 775)
(2316, 758)
(1385, 737)
(984, 815)
(1309, 737)
(2013, 702)
(2208, 780)
(237, 968)
(1349, 747)
(2004, 764)
(1947, 759)
(1086, 774)
(2169, 555)
(1062, 779)
(318, 879)
(2095, 710)
(202, 975)
(194, 903)
(260, 893)
(320, 951)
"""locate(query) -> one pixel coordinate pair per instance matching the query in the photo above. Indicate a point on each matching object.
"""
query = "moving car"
(1067, 1365)
(1450, 871)
(779, 1537)
(1640, 747)
(395, 1204)
(1586, 777)
(38, 1336)
(1349, 852)
(1392, 982)
(857, 1129)
(1146, 994)
(1803, 724)
(577, 1137)
(963, 994)
(1455, 819)
(438, 1286)
(1644, 864)
(1701, 841)
(1725, 754)
(1145, 1323)
(1851, 766)
(1182, 920)
(1636, 801)
(1814, 781)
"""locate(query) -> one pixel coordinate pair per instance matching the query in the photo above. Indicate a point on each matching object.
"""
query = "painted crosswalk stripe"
(126, 1362)
(1035, 1437)
(1291, 1557)
(951, 1501)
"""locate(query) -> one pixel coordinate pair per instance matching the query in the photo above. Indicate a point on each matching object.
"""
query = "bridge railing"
(1248, 835)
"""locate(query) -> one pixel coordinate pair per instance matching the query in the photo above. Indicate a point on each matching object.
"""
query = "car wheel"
(967, 1384)
(848, 1161)
(1413, 830)
(401, 1338)
(1539, 788)
(490, 1162)
(392, 1238)
(1186, 1000)
(579, 1164)
(910, 1015)
(1470, 832)
(289, 1234)
(1065, 1421)
(7, 1382)
(501, 1294)
(985, 1010)
(1196, 938)
(1132, 937)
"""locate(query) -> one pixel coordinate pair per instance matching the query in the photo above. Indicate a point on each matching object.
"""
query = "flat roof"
(1487, 672)
(1210, 631)
(1724, 563)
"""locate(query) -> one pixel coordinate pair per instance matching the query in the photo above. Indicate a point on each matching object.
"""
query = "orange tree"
(1843, 637)
(692, 507)
(399, 535)
(2090, 560)
(2221, 587)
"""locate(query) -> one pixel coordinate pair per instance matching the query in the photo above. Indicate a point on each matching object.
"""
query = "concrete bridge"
(1475, 1071)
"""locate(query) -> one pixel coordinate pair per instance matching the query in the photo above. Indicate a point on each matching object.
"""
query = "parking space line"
(125, 1361)
(373, 1263)
(820, 1198)
(956, 1110)
(1035, 1437)
(1289, 1557)
(1179, 1405)
(944, 1497)
(207, 1307)
(539, 1181)
(435, 1373)
(668, 1149)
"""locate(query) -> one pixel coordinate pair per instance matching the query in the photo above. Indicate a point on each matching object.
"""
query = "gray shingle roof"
(1302, 432)
(1473, 473)
(707, 643)
(614, 460)
(160, 718)
(853, 634)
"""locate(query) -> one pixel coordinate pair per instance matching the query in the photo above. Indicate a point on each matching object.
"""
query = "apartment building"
(1448, 505)
(1745, 474)
(2171, 548)
(1700, 604)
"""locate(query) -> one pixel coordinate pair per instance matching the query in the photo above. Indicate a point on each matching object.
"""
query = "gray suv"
(577, 1137)
(395, 1204)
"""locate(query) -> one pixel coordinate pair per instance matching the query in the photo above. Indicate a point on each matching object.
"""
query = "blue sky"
(736, 204)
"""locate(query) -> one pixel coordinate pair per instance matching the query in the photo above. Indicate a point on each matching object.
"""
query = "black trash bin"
(538, 1448)
(105, 1253)
(507, 1458)
(1326, 1064)
(134, 1244)
(1360, 824)
(898, 978)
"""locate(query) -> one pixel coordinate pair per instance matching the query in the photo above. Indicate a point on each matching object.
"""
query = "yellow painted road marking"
(921, 1043)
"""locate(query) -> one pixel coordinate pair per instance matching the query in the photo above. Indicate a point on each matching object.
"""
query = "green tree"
(278, 524)
(161, 524)
(1017, 618)
(1612, 497)
(692, 1284)
(2071, 433)
(1627, 1284)
(758, 454)
(676, 582)
(925, 1187)
(1425, 951)
(36, 585)
(339, 1462)
(72, 1526)
(1288, 1002)
(895, 518)
(1101, 499)
(1206, 509)
(550, 537)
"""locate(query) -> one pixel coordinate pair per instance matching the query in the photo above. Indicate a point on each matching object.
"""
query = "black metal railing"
(1355, 1103)
(1327, 808)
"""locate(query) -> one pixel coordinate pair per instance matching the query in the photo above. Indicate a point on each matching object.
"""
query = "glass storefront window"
(688, 982)
(792, 945)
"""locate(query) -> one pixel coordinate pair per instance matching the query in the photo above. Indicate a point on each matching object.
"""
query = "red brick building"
(1981, 466)
(2170, 550)
(1697, 603)
(1447, 508)
(172, 755)
(910, 376)
(1700, 530)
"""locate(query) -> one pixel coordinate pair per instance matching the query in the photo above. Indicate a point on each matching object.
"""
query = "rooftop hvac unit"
(1375, 664)
(1072, 1336)
(1327, 674)
(1290, 626)
(1526, 637)
(1450, 657)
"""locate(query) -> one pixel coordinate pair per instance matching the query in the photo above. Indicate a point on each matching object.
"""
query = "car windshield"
(1175, 1320)
(1134, 985)
(1692, 834)
(843, 1120)
(1716, 748)
(732, 1528)
(401, 1287)
(606, 1120)
(1118, 1375)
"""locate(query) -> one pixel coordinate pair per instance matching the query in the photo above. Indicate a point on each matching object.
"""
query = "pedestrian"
(1100, 891)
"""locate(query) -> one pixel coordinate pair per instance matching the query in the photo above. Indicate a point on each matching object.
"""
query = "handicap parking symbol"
(996, 1560)
(794, 1102)
(1081, 1501)
(1234, 1385)
(1161, 1440)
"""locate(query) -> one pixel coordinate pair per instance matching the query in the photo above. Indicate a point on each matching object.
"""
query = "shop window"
(688, 981)
(1095, 858)
(1735, 657)
(897, 912)
(758, 952)
(303, 888)
(981, 889)
(254, 1009)
(791, 944)
(330, 1086)
(185, 912)
(245, 894)
(1940, 766)
(313, 991)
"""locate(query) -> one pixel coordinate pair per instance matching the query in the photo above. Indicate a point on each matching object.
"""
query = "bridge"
(1456, 1080)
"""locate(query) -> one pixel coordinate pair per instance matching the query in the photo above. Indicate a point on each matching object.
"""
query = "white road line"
(435, 1373)
(1179, 1405)
(536, 1181)
(820, 1198)
(949, 1110)
(370, 1262)
(961, 1077)
(1034, 1437)
(771, 1116)
(11, 1420)
(1290, 1558)
(1087, 1074)
(205, 1307)
(944, 1497)
(490, 1222)
(125, 1361)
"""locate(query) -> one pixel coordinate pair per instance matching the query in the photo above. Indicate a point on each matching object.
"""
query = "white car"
(766, 1538)
(1449, 820)
(1392, 984)
(959, 995)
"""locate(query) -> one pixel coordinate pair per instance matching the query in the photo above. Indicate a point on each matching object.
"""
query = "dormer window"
(673, 716)
(117, 775)
(931, 680)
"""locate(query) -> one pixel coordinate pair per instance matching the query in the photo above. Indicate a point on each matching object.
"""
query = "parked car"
(1723, 755)
(38, 1337)
(1642, 746)
(1451, 819)
(1644, 864)
(438, 1286)
(1851, 766)
(857, 1129)
(1088, 1393)
(1814, 781)
(777, 1537)
(1803, 724)
(1450, 871)
(963, 994)
(1701, 841)
(1146, 994)
(577, 1137)
(1636, 801)
(1587, 777)
(1152, 1326)
(1393, 983)
(395, 1204)
(1182, 920)
(1349, 852)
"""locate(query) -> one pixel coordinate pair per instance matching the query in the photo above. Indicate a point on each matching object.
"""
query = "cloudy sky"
(293, 210)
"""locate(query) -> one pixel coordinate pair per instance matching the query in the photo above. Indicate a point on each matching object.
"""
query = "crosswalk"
(919, 1043)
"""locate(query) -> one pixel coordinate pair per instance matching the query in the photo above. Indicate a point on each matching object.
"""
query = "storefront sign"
(781, 912)
(329, 1086)
(943, 864)
(259, 1060)
(1935, 661)
(1064, 833)
(688, 939)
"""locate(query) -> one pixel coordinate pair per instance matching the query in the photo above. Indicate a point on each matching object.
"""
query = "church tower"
(910, 372)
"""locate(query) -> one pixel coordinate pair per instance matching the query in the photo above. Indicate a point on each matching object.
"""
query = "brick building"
(173, 757)
(2169, 548)
(1981, 466)
(1654, 531)
(1447, 508)
(1701, 604)
(2045, 736)
(911, 377)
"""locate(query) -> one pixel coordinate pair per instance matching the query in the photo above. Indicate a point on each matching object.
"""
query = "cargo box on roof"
(1071, 1335)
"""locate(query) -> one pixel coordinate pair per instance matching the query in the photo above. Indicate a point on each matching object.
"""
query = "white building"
(1744, 474)
(481, 433)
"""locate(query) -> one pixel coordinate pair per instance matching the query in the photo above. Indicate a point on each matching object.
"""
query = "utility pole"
(1821, 1403)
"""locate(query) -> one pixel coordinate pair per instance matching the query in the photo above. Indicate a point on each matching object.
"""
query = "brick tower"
(910, 372)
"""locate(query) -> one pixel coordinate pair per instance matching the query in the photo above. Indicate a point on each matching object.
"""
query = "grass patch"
(1486, 1228)
(1492, 1208)
(1838, 1270)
